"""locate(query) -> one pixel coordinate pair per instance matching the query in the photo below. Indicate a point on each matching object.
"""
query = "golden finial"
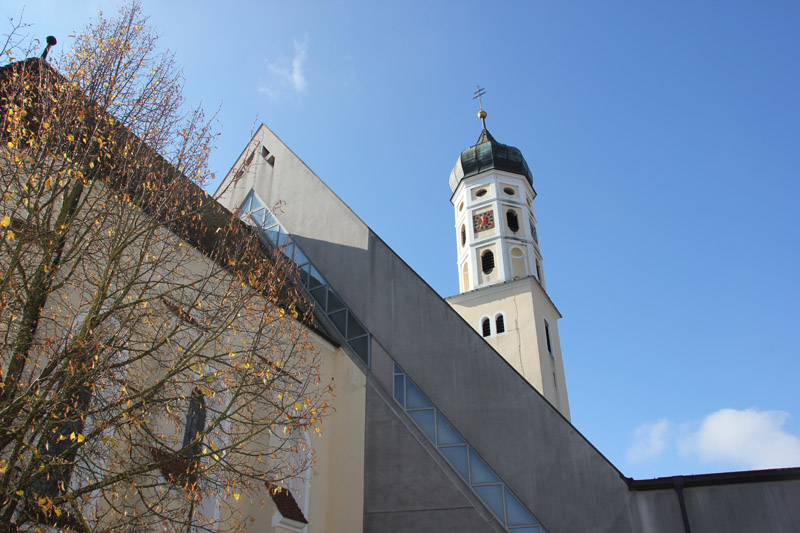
(481, 114)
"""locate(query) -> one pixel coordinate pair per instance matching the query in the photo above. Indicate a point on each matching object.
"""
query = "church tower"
(501, 277)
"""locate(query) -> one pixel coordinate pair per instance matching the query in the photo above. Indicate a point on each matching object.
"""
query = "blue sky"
(664, 139)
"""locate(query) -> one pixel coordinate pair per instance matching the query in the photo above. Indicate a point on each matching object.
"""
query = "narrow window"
(465, 276)
(486, 326)
(547, 337)
(512, 220)
(57, 450)
(58, 447)
(555, 388)
(195, 423)
(500, 324)
(463, 235)
(266, 155)
(487, 262)
(538, 271)
(181, 467)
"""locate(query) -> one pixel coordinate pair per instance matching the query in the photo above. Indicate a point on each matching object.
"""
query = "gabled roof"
(191, 214)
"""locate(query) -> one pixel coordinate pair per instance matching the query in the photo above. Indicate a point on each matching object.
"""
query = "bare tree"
(155, 357)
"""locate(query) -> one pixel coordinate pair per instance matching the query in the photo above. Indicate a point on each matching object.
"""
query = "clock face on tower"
(483, 221)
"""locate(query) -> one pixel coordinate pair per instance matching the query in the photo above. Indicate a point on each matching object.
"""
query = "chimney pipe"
(51, 41)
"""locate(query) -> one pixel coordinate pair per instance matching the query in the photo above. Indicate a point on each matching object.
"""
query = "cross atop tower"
(481, 114)
(478, 94)
(502, 290)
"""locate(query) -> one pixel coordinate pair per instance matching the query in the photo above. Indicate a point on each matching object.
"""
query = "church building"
(502, 279)
(447, 415)
(453, 415)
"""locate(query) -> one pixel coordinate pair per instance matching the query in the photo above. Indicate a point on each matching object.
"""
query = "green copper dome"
(488, 154)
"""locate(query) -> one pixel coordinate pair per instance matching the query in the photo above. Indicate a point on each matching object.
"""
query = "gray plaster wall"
(557, 474)
(546, 462)
(733, 508)
(405, 489)
(659, 511)
(746, 507)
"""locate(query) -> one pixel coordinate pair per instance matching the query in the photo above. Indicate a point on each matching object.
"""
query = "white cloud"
(752, 438)
(300, 54)
(285, 74)
(649, 441)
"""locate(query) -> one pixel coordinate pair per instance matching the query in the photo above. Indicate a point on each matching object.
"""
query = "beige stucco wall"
(525, 307)
(337, 487)
(336, 498)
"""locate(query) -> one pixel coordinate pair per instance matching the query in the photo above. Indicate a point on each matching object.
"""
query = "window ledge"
(278, 520)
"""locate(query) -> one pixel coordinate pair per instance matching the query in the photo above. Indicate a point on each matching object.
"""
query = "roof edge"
(710, 480)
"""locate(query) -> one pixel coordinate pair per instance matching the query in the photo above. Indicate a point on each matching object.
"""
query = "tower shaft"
(501, 277)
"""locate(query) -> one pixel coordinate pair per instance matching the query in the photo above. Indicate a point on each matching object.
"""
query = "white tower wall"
(504, 297)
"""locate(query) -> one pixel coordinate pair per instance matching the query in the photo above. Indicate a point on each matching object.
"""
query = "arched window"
(74, 394)
(465, 276)
(302, 464)
(486, 327)
(487, 262)
(56, 450)
(500, 324)
(512, 220)
(463, 235)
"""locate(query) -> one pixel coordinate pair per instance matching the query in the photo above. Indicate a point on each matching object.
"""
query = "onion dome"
(488, 154)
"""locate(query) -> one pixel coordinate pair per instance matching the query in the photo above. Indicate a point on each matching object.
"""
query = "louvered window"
(487, 327)
(487, 262)
(500, 324)
(513, 221)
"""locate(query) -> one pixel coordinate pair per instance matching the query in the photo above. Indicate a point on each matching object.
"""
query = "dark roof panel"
(286, 503)
(488, 154)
